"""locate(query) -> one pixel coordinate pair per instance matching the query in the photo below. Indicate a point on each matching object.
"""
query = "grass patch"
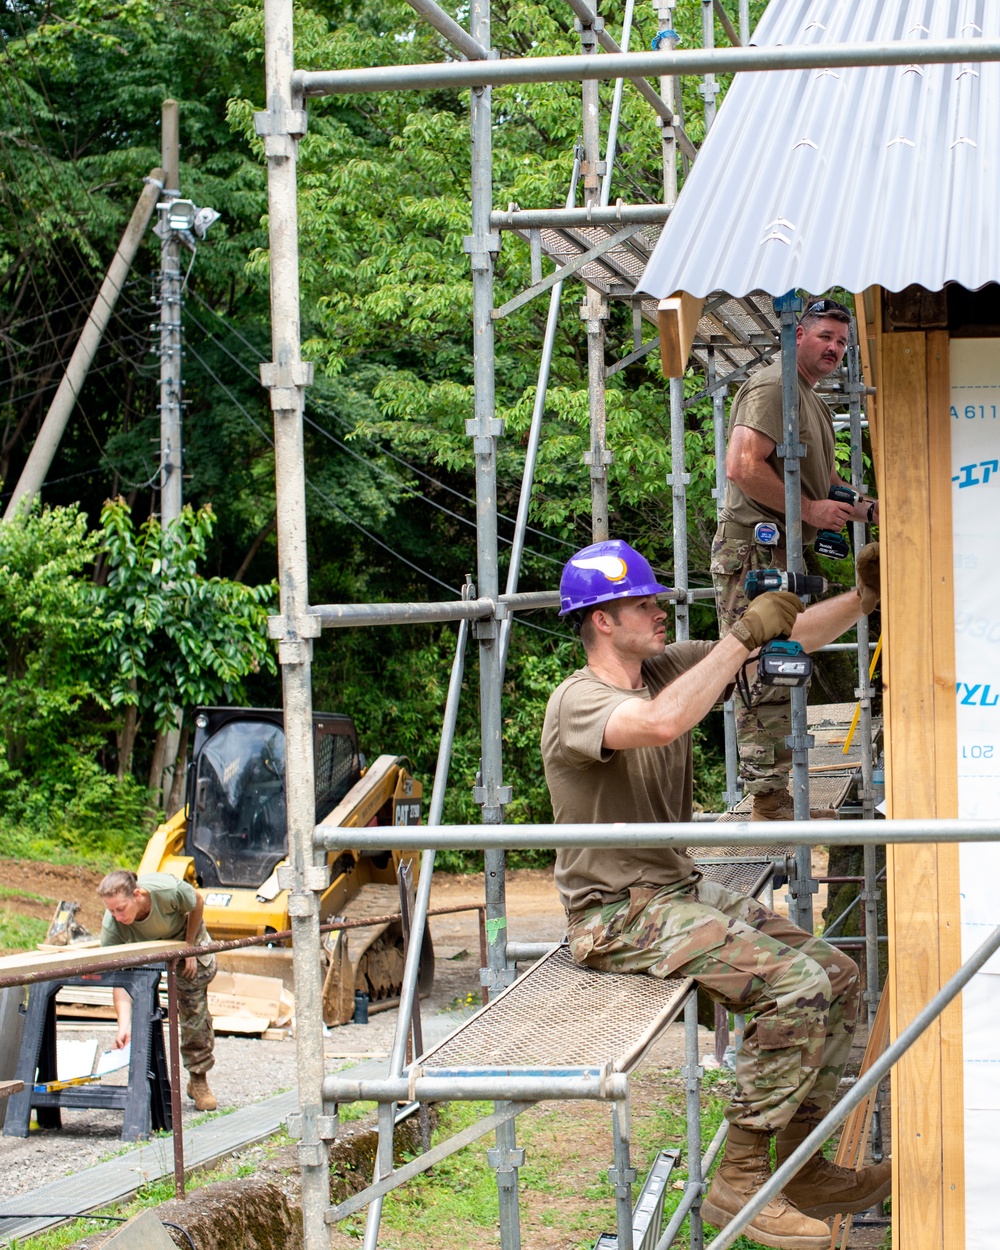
(152, 1195)
(7, 891)
(18, 933)
(563, 1185)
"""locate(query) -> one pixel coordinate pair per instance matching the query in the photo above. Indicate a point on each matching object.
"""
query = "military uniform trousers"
(803, 993)
(197, 1034)
(761, 729)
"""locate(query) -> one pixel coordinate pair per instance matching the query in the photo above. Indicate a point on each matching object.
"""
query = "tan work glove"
(771, 615)
(869, 578)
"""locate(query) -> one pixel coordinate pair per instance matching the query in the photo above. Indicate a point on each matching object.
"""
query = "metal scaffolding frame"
(606, 248)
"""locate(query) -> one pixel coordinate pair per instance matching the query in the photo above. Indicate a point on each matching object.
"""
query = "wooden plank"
(868, 315)
(946, 782)
(677, 317)
(857, 1126)
(911, 781)
(941, 573)
(86, 960)
(10, 1087)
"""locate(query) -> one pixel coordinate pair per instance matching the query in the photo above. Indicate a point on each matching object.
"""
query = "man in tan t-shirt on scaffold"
(616, 744)
(751, 533)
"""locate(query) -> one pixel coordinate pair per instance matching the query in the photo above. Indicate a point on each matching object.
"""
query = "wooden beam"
(677, 317)
(946, 780)
(921, 774)
(868, 315)
(90, 959)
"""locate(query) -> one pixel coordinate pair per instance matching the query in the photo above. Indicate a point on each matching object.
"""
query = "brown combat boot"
(745, 1168)
(204, 1099)
(821, 1188)
(778, 805)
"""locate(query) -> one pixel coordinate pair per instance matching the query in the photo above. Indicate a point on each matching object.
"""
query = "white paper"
(113, 1060)
(75, 1057)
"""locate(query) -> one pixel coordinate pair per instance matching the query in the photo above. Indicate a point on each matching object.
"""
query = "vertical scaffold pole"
(594, 309)
(871, 892)
(733, 793)
(668, 43)
(534, 438)
(286, 376)
(616, 109)
(484, 429)
(693, 1073)
(786, 306)
(678, 480)
(709, 88)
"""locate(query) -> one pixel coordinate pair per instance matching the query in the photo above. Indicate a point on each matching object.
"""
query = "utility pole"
(171, 482)
(56, 419)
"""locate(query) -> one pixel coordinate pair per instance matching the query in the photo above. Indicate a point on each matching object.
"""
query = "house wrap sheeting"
(845, 177)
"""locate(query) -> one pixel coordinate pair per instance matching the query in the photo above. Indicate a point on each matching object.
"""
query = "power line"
(315, 402)
(347, 517)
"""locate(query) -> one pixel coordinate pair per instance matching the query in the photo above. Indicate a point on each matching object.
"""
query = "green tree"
(53, 784)
(47, 628)
(171, 638)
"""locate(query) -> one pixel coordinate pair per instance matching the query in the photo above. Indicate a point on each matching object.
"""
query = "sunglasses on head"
(822, 306)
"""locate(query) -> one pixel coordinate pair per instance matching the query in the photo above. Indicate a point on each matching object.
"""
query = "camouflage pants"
(197, 1034)
(802, 992)
(761, 729)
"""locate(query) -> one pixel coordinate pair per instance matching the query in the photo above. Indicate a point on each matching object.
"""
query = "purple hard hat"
(603, 571)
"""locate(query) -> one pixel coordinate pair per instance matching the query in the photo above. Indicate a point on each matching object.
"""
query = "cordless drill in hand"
(759, 580)
(782, 662)
(832, 543)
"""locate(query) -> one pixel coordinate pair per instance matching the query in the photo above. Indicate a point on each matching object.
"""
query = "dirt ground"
(53, 883)
(566, 1200)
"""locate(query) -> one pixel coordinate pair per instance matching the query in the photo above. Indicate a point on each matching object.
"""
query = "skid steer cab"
(232, 837)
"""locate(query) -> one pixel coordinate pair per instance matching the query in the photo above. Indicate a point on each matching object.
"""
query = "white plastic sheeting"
(974, 420)
(811, 179)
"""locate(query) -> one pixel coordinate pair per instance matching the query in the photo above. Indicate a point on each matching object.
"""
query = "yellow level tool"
(857, 710)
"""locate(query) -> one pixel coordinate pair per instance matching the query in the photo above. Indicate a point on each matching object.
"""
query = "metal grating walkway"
(744, 332)
(560, 1014)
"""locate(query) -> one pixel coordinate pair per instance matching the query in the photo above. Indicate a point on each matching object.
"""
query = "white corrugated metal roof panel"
(811, 179)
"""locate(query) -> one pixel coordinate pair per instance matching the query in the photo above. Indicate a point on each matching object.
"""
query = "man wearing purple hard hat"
(616, 744)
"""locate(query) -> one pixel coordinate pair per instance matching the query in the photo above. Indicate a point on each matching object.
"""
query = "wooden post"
(913, 455)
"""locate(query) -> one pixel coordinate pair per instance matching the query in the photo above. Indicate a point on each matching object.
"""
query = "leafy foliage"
(383, 207)
(170, 637)
(83, 660)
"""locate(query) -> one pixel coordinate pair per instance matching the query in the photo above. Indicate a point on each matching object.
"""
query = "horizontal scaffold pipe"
(343, 615)
(737, 833)
(461, 74)
(613, 1087)
(564, 218)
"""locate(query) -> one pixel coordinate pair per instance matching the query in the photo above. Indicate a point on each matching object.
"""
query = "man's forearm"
(824, 621)
(680, 706)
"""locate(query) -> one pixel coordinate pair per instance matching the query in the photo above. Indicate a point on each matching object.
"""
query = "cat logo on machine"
(218, 900)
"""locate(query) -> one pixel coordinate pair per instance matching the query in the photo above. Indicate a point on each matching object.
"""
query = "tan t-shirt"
(170, 903)
(758, 406)
(589, 784)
